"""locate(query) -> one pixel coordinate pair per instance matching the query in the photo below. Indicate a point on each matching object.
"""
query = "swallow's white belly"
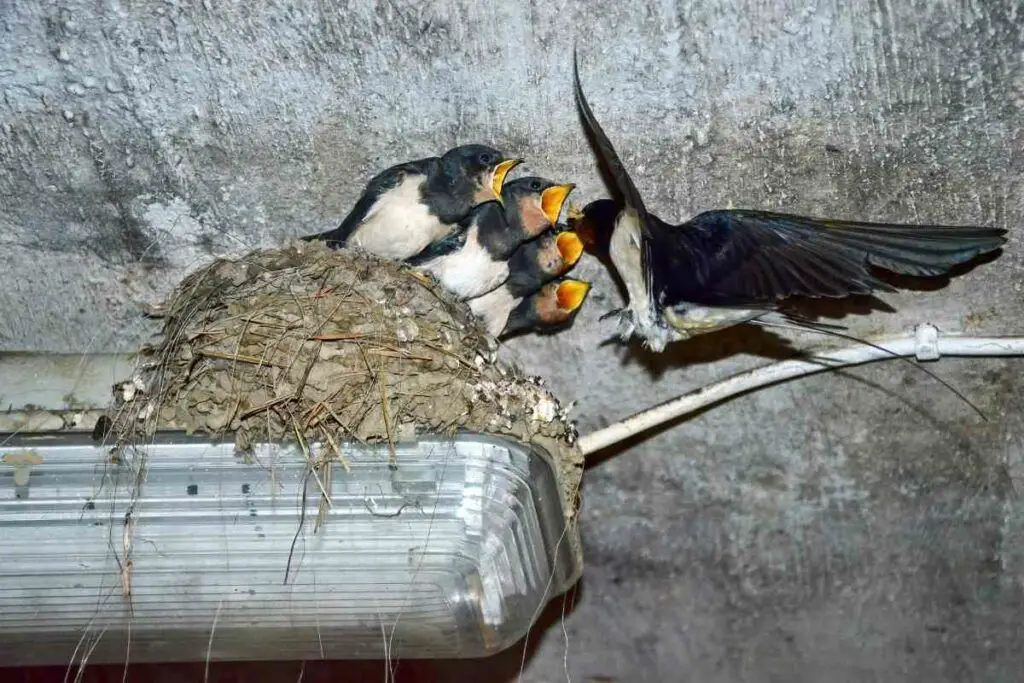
(696, 320)
(494, 308)
(470, 271)
(399, 226)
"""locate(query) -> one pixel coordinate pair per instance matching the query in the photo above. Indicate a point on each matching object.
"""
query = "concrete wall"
(859, 526)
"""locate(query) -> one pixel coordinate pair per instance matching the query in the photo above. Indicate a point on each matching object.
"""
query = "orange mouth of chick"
(552, 199)
(570, 246)
(571, 294)
(499, 174)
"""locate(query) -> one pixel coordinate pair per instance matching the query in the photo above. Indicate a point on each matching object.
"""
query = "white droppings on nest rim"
(509, 393)
(127, 391)
(545, 410)
(406, 331)
(130, 388)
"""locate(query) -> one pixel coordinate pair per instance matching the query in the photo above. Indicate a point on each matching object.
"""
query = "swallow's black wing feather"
(624, 183)
(443, 247)
(380, 184)
(757, 258)
(606, 151)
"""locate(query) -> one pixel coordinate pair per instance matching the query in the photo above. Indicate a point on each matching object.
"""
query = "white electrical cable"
(925, 344)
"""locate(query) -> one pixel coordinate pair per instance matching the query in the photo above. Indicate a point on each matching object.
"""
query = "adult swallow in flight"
(725, 267)
(555, 305)
(409, 206)
(483, 253)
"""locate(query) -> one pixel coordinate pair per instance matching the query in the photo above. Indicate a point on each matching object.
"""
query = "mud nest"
(331, 346)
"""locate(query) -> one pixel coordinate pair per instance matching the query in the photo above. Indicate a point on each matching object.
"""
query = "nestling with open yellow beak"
(553, 307)
(406, 208)
(485, 251)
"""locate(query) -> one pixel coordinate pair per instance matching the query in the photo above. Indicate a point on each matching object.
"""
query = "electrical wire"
(925, 344)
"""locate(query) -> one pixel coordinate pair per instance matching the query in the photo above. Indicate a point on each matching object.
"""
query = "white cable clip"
(926, 337)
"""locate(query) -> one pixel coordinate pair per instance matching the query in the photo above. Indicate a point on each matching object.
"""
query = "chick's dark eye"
(535, 186)
(486, 158)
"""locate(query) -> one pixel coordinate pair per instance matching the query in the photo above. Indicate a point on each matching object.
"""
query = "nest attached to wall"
(330, 346)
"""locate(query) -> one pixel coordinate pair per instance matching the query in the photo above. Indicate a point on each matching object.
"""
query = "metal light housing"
(179, 550)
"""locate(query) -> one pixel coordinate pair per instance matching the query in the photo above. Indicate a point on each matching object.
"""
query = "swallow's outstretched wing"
(605, 149)
(634, 210)
(757, 258)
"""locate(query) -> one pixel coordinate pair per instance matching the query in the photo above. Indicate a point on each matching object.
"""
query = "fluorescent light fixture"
(450, 553)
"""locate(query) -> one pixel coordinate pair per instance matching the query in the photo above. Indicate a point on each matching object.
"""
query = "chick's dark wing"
(377, 187)
(446, 246)
(735, 258)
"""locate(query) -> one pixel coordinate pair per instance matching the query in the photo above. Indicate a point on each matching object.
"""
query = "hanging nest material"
(332, 346)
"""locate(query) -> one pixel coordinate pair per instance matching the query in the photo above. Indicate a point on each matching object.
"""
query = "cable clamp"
(926, 337)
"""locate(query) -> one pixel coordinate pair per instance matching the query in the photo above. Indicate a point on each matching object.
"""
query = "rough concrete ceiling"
(856, 526)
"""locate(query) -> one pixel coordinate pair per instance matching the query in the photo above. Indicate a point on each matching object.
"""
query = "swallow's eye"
(486, 159)
(535, 186)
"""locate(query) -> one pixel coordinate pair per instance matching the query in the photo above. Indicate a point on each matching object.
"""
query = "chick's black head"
(484, 166)
(473, 158)
(527, 186)
(533, 204)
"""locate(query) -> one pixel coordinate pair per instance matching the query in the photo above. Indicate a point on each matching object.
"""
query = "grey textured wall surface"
(856, 526)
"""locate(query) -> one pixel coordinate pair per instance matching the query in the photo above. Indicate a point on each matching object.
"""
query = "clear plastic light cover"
(452, 552)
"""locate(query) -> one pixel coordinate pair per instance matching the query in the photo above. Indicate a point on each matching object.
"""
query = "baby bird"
(536, 263)
(482, 254)
(552, 307)
(543, 259)
(409, 206)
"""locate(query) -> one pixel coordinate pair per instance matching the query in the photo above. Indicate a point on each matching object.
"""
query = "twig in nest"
(295, 357)
(237, 358)
(396, 352)
(266, 406)
(323, 508)
(304, 447)
(446, 352)
(298, 305)
(234, 377)
(432, 286)
(346, 336)
(309, 367)
(337, 450)
(388, 353)
(341, 423)
(320, 293)
(312, 413)
(386, 409)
